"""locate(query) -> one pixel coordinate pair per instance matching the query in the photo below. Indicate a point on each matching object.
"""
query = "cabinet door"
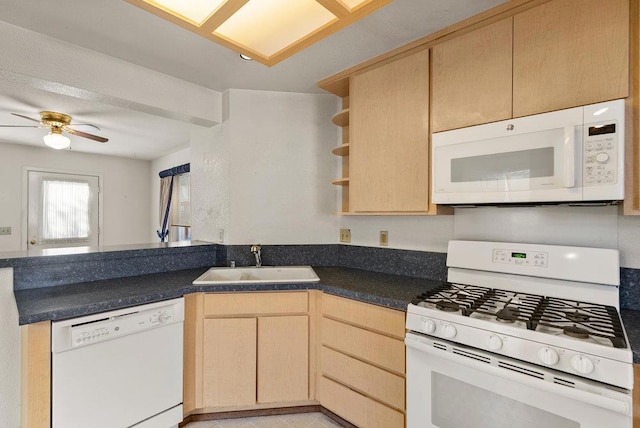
(229, 362)
(472, 78)
(389, 125)
(569, 53)
(283, 358)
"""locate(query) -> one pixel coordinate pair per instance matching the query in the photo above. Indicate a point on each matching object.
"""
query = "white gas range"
(522, 335)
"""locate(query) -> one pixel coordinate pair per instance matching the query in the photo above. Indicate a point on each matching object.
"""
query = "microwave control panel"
(600, 155)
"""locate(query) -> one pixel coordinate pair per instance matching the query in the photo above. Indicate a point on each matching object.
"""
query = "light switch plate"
(5, 230)
(345, 235)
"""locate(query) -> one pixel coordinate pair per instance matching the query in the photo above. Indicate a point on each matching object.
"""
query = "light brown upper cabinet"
(568, 53)
(472, 77)
(389, 137)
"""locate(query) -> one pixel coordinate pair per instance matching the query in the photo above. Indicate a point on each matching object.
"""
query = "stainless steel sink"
(258, 275)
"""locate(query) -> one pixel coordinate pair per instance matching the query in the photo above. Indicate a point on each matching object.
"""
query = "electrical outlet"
(345, 235)
(5, 230)
(384, 238)
(220, 236)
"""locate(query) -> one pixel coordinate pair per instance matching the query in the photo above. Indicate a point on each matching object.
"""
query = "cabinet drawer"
(370, 380)
(255, 303)
(356, 408)
(372, 347)
(384, 320)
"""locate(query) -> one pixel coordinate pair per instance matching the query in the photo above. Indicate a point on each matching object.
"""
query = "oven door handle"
(608, 403)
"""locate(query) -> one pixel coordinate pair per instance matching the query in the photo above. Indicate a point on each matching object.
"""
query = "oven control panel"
(525, 258)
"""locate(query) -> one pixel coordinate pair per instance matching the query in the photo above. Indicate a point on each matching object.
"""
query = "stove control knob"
(449, 331)
(428, 325)
(494, 343)
(582, 364)
(548, 356)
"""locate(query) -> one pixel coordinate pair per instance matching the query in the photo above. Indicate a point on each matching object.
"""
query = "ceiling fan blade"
(87, 124)
(26, 117)
(22, 126)
(85, 135)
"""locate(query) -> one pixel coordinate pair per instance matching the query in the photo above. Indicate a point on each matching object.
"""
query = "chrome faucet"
(255, 249)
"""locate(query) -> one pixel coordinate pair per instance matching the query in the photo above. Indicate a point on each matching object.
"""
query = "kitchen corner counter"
(73, 300)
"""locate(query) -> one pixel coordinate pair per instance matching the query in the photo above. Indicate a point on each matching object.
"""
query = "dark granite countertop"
(631, 321)
(74, 300)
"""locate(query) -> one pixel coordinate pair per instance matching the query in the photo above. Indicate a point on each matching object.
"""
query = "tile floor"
(299, 420)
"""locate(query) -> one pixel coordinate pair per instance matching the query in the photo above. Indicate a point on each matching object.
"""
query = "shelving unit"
(341, 119)
(342, 150)
(341, 181)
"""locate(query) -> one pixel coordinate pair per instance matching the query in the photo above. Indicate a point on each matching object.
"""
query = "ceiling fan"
(57, 124)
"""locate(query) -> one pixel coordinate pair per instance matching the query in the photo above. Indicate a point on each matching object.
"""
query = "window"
(181, 208)
(63, 210)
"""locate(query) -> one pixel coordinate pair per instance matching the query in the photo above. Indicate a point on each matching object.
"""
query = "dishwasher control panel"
(118, 326)
(98, 328)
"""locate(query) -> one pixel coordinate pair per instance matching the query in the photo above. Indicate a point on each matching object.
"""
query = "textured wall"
(264, 174)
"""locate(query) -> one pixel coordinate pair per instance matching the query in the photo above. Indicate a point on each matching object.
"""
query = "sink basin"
(258, 275)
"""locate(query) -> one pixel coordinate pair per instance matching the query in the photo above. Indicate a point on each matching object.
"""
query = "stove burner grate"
(446, 306)
(508, 315)
(575, 331)
(581, 320)
(576, 316)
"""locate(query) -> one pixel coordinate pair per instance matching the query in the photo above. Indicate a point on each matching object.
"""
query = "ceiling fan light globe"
(56, 141)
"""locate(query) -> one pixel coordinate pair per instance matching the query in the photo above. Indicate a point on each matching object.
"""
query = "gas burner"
(508, 315)
(447, 306)
(578, 317)
(575, 331)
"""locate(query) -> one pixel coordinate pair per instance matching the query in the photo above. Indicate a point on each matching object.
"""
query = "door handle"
(569, 156)
(33, 242)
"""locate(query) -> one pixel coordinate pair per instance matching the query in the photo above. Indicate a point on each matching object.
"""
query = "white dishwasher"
(119, 369)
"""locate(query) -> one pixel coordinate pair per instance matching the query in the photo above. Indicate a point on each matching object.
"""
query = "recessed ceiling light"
(246, 57)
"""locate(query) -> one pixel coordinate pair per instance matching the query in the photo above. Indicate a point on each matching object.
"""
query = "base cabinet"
(362, 363)
(246, 349)
(283, 358)
(636, 396)
(229, 360)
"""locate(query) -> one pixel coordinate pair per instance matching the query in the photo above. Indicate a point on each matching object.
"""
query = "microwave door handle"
(569, 156)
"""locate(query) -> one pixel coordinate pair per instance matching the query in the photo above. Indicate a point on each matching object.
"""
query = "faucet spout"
(255, 249)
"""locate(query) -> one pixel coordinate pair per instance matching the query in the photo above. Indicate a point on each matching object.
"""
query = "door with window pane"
(63, 210)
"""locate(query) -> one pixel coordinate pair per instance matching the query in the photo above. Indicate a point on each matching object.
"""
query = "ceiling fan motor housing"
(54, 119)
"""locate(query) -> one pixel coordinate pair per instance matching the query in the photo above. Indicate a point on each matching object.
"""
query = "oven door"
(452, 386)
(531, 159)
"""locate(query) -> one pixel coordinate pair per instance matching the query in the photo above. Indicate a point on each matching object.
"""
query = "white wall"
(9, 353)
(176, 158)
(264, 174)
(557, 225)
(126, 190)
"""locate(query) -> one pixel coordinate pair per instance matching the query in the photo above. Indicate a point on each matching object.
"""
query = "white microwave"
(573, 155)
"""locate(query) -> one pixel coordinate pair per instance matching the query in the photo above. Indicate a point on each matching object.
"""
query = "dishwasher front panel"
(121, 382)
